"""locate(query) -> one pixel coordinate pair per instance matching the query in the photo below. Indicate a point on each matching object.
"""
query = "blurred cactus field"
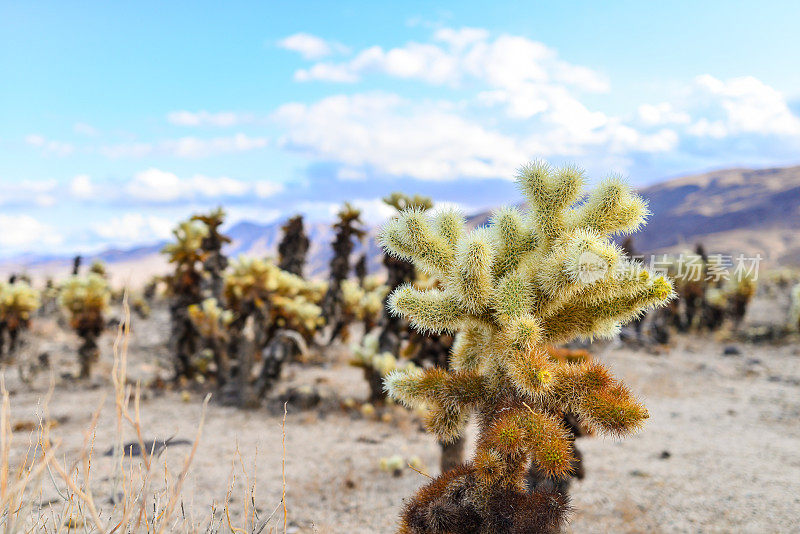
(439, 387)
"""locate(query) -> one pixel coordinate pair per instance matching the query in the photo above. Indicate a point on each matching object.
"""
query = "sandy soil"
(719, 453)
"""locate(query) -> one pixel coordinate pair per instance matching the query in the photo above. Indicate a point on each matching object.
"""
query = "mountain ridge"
(731, 211)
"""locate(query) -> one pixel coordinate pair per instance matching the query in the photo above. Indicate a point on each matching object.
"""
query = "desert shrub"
(85, 299)
(525, 281)
(18, 301)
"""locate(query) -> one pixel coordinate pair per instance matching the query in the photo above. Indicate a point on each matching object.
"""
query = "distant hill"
(733, 211)
(730, 211)
(137, 265)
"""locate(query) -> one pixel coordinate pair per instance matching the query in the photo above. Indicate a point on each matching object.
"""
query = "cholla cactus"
(741, 291)
(538, 480)
(184, 287)
(293, 247)
(212, 322)
(509, 290)
(348, 227)
(86, 298)
(730, 301)
(376, 365)
(18, 301)
(282, 310)
(214, 262)
(401, 202)
(256, 286)
(98, 268)
(360, 303)
(398, 272)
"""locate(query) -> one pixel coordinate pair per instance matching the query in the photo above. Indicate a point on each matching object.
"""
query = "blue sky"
(117, 119)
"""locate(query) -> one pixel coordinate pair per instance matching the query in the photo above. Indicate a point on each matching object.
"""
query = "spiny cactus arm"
(472, 344)
(524, 431)
(412, 236)
(612, 410)
(513, 238)
(431, 310)
(449, 224)
(471, 277)
(416, 387)
(613, 208)
(575, 263)
(401, 201)
(601, 403)
(549, 193)
(581, 318)
(447, 423)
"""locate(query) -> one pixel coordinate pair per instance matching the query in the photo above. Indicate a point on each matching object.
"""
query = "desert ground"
(718, 454)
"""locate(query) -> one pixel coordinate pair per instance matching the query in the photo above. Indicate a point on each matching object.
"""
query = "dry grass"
(141, 494)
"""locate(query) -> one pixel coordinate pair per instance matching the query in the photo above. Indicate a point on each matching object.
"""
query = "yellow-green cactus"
(209, 318)
(187, 255)
(361, 304)
(527, 280)
(18, 301)
(376, 365)
(288, 301)
(85, 299)
(99, 268)
(187, 247)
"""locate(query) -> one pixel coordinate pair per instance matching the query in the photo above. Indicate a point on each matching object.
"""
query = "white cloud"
(40, 193)
(737, 106)
(187, 147)
(511, 63)
(134, 228)
(23, 232)
(127, 150)
(542, 113)
(264, 189)
(392, 136)
(156, 185)
(385, 134)
(192, 147)
(159, 186)
(81, 187)
(327, 72)
(50, 147)
(660, 114)
(204, 118)
(310, 46)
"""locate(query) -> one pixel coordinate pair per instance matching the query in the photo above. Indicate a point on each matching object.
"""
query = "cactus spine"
(508, 290)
